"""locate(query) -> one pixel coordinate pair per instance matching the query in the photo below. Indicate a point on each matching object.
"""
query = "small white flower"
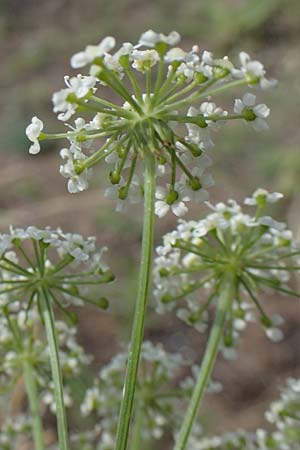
(254, 69)
(271, 223)
(211, 109)
(175, 54)
(112, 62)
(229, 353)
(33, 132)
(274, 334)
(80, 86)
(264, 196)
(261, 111)
(92, 52)
(196, 134)
(224, 63)
(178, 207)
(199, 195)
(76, 183)
(143, 60)
(150, 38)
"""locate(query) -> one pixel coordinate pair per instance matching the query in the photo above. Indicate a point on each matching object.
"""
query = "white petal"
(260, 124)
(161, 208)
(34, 129)
(261, 110)
(249, 99)
(207, 180)
(238, 106)
(160, 193)
(267, 84)
(244, 58)
(179, 209)
(79, 60)
(35, 148)
(72, 186)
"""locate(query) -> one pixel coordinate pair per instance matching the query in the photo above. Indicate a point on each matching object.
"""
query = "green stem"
(31, 389)
(141, 302)
(226, 296)
(47, 312)
(159, 79)
(137, 430)
(190, 87)
(198, 95)
(118, 109)
(135, 85)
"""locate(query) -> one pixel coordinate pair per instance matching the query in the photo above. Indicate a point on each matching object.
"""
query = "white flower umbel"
(223, 262)
(159, 87)
(141, 134)
(158, 411)
(46, 268)
(55, 252)
(12, 428)
(284, 417)
(33, 132)
(197, 255)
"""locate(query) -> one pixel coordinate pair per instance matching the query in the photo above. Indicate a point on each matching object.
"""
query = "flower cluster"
(150, 118)
(22, 337)
(257, 250)
(64, 265)
(14, 432)
(284, 414)
(157, 399)
(239, 440)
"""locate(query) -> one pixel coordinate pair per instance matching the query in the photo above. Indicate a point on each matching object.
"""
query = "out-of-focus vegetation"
(37, 39)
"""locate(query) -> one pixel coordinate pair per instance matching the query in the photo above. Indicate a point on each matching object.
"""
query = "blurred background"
(37, 40)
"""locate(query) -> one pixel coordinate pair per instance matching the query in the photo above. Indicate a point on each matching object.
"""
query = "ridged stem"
(141, 303)
(227, 291)
(48, 317)
(32, 394)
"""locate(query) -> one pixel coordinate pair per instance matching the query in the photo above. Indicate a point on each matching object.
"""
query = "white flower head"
(33, 132)
(92, 52)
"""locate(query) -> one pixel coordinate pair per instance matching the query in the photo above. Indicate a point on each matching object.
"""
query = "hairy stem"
(141, 303)
(227, 291)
